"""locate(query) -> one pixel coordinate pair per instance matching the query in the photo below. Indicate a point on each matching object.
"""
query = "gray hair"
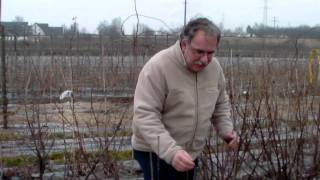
(202, 24)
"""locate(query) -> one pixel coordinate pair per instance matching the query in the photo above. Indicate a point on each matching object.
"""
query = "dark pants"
(160, 169)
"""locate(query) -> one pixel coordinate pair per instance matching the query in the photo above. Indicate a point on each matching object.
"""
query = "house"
(18, 30)
(43, 29)
(40, 29)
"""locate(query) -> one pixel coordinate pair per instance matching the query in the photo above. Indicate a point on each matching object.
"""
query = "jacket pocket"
(207, 101)
(179, 114)
(212, 90)
(179, 102)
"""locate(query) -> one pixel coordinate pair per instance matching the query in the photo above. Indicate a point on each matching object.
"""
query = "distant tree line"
(303, 31)
(115, 29)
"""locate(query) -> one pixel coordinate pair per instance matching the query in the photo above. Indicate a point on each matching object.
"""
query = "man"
(180, 91)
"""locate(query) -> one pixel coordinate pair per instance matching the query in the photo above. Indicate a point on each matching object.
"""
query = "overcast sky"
(232, 13)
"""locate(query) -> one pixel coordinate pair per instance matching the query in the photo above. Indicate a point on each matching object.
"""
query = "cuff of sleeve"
(168, 158)
(223, 132)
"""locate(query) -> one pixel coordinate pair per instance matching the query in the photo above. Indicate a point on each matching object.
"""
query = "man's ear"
(183, 44)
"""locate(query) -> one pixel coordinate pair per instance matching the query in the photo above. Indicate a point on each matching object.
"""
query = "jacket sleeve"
(221, 118)
(148, 106)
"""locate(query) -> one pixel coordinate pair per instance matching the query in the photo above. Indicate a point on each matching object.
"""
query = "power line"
(149, 17)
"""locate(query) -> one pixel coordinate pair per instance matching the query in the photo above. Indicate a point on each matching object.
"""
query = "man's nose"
(204, 58)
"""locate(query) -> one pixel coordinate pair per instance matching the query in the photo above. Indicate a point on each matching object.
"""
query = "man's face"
(198, 53)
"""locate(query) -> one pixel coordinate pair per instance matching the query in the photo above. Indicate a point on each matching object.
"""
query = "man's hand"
(182, 161)
(231, 139)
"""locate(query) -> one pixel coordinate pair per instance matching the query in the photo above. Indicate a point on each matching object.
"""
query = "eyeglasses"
(200, 52)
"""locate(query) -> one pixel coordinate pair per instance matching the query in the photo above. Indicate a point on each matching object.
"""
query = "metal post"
(3, 74)
(185, 13)
(4, 79)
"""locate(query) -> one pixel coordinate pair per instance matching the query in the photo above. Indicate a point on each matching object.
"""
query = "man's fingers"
(182, 161)
(234, 143)
(187, 158)
(231, 139)
(185, 162)
(183, 167)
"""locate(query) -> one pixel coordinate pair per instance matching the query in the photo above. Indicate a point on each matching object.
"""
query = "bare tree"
(18, 19)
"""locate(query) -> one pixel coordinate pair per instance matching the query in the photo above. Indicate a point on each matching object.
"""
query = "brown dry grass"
(84, 112)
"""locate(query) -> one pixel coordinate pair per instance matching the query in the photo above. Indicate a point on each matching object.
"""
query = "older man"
(180, 91)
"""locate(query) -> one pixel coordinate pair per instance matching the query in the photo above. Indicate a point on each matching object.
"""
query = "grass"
(17, 161)
(9, 136)
(121, 155)
(119, 133)
(20, 161)
(61, 135)
(56, 155)
(69, 135)
(58, 158)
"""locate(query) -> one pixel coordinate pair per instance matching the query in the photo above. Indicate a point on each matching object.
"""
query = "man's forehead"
(204, 38)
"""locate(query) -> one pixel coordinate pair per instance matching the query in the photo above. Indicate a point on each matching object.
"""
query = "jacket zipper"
(196, 111)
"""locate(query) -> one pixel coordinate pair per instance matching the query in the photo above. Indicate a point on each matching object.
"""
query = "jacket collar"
(178, 54)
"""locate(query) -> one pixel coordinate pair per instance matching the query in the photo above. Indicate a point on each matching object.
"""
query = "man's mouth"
(200, 63)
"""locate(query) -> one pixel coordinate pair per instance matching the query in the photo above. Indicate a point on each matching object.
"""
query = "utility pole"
(274, 22)
(74, 24)
(3, 74)
(185, 13)
(275, 28)
(265, 13)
